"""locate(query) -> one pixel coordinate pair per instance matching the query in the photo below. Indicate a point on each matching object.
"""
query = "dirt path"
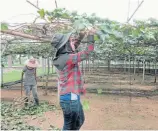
(106, 112)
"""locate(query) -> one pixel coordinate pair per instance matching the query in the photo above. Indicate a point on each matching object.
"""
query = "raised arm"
(80, 56)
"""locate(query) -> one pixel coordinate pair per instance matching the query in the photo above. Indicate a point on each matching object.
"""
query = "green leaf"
(135, 32)
(28, 31)
(96, 38)
(42, 13)
(82, 24)
(79, 25)
(99, 91)
(49, 18)
(85, 105)
(4, 26)
(65, 15)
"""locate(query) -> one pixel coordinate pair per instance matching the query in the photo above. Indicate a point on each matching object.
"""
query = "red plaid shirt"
(70, 78)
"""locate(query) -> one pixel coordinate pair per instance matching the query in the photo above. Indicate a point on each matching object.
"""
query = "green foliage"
(12, 118)
(85, 105)
(4, 26)
(44, 50)
(57, 13)
(28, 31)
(36, 110)
(96, 38)
(16, 74)
(41, 13)
(113, 39)
(81, 24)
(99, 91)
(11, 76)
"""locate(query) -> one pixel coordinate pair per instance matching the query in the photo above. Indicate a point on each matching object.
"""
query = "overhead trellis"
(115, 39)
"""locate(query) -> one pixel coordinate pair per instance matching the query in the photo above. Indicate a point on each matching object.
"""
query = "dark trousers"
(73, 114)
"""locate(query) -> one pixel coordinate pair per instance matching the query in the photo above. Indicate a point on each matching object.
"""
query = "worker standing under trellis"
(70, 79)
(30, 82)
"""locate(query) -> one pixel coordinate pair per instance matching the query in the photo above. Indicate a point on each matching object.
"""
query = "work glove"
(90, 39)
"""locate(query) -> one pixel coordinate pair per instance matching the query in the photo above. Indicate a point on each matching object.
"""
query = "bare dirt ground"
(107, 112)
(109, 80)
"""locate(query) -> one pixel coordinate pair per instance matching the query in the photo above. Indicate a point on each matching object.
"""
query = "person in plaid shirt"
(70, 80)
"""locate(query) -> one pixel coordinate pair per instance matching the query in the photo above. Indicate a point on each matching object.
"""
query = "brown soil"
(106, 112)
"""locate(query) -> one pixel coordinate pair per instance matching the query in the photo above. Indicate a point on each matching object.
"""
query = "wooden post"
(9, 61)
(125, 65)
(155, 72)
(2, 74)
(143, 71)
(134, 61)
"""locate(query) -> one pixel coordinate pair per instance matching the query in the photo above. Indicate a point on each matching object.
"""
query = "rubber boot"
(26, 101)
(36, 101)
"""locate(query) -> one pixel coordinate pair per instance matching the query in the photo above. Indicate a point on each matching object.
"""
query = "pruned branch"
(135, 11)
(33, 5)
(37, 3)
(11, 32)
(56, 4)
(36, 8)
(36, 19)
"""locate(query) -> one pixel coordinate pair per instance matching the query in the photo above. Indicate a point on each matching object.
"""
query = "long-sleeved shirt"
(70, 78)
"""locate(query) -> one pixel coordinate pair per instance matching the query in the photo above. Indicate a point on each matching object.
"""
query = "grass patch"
(16, 74)
(40, 71)
(11, 76)
(16, 64)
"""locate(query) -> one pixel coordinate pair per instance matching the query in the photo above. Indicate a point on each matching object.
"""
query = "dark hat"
(59, 40)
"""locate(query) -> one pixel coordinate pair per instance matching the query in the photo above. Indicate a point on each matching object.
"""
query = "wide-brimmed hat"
(59, 40)
(32, 63)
